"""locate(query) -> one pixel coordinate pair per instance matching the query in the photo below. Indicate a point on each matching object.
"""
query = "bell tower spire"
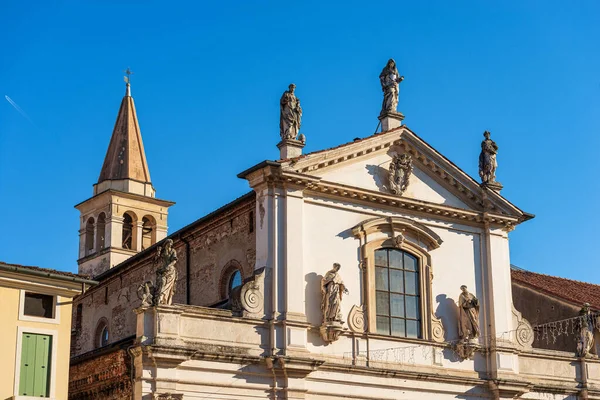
(123, 217)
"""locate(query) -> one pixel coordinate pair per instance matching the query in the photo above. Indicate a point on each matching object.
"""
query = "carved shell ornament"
(399, 173)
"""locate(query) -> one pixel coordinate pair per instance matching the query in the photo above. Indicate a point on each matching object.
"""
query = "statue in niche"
(586, 323)
(161, 293)
(390, 80)
(332, 288)
(290, 115)
(468, 315)
(399, 173)
(487, 159)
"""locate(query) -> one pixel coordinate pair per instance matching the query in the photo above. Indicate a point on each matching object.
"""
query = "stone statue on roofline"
(290, 115)
(390, 80)
(488, 163)
(161, 293)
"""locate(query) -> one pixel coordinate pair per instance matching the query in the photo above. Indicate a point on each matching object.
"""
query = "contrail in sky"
(19, 109)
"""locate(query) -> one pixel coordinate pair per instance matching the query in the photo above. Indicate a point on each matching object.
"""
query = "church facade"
(377, 269)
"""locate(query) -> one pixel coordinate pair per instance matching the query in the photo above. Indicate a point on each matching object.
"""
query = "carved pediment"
(365, 164)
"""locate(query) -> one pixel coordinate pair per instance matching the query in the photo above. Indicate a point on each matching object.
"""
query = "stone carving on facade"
(332, 289)
(247, 300)
(168, 396)
(437, 329)
(398, 240)
(399, 173)
(468, 323)
(390, 84)
(524, 334)
(161, 293)
(488, 163)
(585, 326)
(290, 115)
(357, 321)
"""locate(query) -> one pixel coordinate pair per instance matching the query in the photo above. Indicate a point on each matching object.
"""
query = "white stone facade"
(335, 207)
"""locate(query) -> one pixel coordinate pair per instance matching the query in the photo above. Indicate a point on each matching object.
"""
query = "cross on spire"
(127, 79)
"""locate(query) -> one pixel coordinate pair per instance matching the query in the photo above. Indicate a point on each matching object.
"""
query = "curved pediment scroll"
(399, 225)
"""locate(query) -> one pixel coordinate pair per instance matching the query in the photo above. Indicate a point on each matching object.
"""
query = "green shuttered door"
(35, 365)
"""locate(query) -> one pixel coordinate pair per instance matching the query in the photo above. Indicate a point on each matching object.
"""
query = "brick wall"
(105, 376)
(215, 243)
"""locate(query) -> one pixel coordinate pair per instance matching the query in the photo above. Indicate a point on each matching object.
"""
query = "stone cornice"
(358, 195)
(437, 166)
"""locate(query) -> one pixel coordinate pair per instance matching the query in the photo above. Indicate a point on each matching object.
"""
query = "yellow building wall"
(9, 323)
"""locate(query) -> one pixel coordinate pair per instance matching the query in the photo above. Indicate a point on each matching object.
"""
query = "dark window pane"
(383, 325)
(397, 305)
(411, 283)
(412, 329)
(381, 278)
(381, 258)
(412, 307)
(396, 259)
(410, 262)
(383, 303)
(398, 327)
(39, 305)
(396, 281)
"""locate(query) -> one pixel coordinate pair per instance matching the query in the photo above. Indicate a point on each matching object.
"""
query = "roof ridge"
(554, 276)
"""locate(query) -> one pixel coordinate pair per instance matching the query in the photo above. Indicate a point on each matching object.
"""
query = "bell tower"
(123, 217)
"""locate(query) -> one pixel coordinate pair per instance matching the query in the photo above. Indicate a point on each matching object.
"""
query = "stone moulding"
(168, 396)
(437, 329)
(247, 300)
(357, 321)
(524, 335)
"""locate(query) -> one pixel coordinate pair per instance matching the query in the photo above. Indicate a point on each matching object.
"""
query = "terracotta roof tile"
(570, 290)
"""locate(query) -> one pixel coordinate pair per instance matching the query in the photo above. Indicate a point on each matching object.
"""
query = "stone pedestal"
(496, 186)
(290, 148)
(330, 331)
(390, 121)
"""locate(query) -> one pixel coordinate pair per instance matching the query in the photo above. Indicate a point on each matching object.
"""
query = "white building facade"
(403, 257)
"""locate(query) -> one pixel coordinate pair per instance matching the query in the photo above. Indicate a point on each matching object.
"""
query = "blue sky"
(208, 77)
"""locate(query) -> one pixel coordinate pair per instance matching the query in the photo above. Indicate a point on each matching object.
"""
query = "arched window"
(397, 271)
(100, 231)
(231, 277)
(89, 236)
(235, 280)
(148, 232)
(398, 297)
(127, 231)
(102, 333)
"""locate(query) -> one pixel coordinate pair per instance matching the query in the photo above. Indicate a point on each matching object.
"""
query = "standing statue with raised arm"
(390, 80)
(290, 115)
(487, 159)
(166, 274)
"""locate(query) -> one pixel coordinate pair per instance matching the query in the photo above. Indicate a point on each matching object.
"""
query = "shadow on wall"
(379, 174)
(447, 311)
(312, 294)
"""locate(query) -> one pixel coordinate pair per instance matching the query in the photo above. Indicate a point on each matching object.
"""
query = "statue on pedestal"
(332, 288)
(487, 160)
(390, 80)
(290, 115)
(468, 315)
(468, 323)
(586, 323)
(161, 293)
